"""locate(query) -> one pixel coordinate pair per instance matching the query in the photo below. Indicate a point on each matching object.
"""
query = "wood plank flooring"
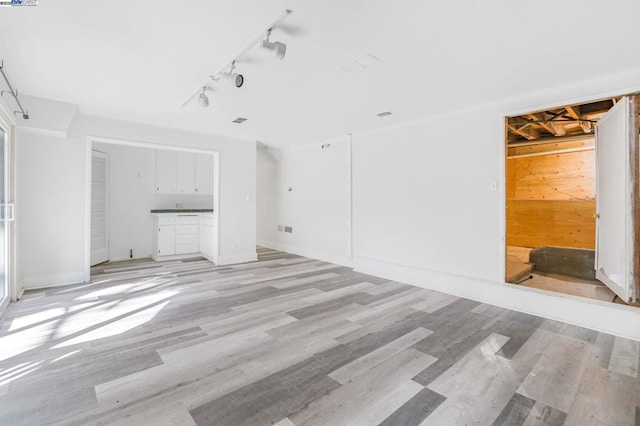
(289, 341)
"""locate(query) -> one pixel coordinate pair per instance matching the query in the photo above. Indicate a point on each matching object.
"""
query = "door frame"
(8, 124)
(635, 178)
(150, 145)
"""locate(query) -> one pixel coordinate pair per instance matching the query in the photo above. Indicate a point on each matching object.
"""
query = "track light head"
(278, 49)
(238, 79)
(203, 99)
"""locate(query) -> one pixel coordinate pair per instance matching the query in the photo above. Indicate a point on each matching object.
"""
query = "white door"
(614, 201)
(99, 230)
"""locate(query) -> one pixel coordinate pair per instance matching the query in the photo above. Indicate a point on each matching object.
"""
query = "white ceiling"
(138, 60)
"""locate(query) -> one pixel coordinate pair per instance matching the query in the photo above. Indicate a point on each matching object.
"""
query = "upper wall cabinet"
(186, 172)
(204, 177)
(183, 173)
(166, 172)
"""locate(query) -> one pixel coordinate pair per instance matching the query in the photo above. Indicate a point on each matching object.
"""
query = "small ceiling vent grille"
(384, 114)
(239, 120)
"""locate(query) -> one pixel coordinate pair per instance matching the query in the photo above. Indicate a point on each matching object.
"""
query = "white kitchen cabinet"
(181, 235)
(183, 172)
(186, 172)
(207, 237)
(186, 234)
(204, 181)
(166, 171)
(165, 236)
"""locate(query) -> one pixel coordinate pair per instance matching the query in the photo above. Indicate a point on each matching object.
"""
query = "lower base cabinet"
(183, 235)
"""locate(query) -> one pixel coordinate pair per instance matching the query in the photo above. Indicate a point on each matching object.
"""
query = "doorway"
(557, 161)
(135, 193)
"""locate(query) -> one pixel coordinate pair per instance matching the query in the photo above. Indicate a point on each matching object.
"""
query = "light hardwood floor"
(294, 341)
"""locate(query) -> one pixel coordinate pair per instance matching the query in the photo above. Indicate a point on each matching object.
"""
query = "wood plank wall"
(551, 199)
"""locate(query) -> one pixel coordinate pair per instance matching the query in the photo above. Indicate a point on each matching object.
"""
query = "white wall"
(422, 195)
(315, 207)
(50, 185)
(131, 196)
(51, 194)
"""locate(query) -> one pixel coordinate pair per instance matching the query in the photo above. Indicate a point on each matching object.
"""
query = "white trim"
(616, 319)
(309, 145)
(149, 145)
(48, 281)
(90, 139)
(232, 259)
(45, 132)
(176, 256)
(8, 125)
(90, 114)
(325, 257)
(123, 259)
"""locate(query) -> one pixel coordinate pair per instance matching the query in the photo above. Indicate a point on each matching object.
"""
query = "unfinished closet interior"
(551, 198)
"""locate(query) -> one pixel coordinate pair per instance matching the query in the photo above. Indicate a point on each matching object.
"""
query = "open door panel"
(616, 199)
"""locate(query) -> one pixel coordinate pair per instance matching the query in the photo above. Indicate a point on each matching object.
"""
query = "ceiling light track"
(14, 93)
(226, 70)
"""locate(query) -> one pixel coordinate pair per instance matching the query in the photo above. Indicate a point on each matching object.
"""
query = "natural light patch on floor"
(116, 326)
(62, 327)
(128, 288)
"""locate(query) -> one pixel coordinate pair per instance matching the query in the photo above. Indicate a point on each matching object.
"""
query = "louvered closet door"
(99, 229)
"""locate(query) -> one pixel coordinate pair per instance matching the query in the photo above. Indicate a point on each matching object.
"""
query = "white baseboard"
(237, 258)
(36, 283)
(611, 318)
(122, 259)
(325, 257)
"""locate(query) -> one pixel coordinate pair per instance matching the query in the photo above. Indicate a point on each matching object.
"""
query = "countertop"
(178, 211)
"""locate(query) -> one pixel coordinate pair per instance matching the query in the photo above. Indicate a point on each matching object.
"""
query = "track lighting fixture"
(238, 79)
(226, 71)
(203, 99)
(277, 48)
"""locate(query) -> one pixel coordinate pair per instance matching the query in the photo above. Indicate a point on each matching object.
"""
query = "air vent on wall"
(384, 114)
(239, 120)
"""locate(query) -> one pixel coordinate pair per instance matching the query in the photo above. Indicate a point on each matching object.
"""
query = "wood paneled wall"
(551, 200)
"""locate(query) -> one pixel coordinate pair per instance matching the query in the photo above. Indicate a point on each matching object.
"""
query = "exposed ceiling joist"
(521, 132)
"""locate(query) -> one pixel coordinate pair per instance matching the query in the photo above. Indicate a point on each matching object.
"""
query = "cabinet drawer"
(187, 220)
(171, 220)
(187, 239)
(186, 248)
(186, 229)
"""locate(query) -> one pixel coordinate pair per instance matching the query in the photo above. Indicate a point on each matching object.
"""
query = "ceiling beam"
(520, 131)
(574, 112)
(553, 128)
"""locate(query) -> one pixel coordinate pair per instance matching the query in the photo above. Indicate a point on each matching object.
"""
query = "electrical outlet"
(288, 229)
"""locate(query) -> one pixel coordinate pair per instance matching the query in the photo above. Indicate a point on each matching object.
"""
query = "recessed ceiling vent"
(239, 120)
(384, 114)
(362, 63)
